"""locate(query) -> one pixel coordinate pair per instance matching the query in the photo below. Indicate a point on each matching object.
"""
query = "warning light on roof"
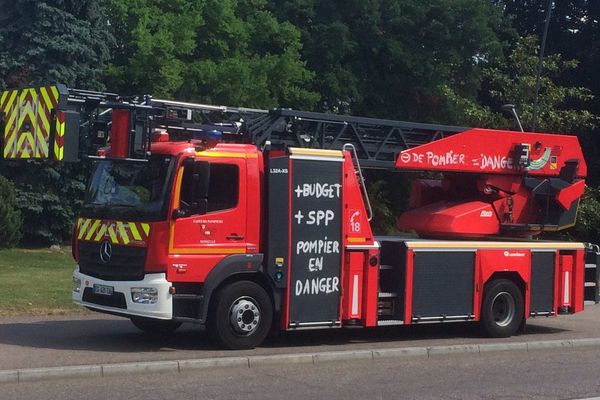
(208, 138)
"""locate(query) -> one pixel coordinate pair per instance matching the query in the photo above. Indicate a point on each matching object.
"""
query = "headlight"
(76, 285)
(144, 295)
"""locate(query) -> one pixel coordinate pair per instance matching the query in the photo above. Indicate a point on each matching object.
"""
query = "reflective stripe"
(117, 232)
(28, 121)
(566, 296)
(355, 296)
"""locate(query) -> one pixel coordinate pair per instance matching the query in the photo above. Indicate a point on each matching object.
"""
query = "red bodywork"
(485, 191)
(488, 192)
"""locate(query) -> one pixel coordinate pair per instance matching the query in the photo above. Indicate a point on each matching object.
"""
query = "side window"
(223, 184)
(223, 187)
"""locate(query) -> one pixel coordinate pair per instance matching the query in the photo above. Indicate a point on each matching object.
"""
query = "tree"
(388, 58)
(573, 33)
(10, 217)
(513, 81)
(50, 41)
(214, 51)
(42, 42)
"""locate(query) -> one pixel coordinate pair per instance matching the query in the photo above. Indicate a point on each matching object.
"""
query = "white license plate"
(104, 290)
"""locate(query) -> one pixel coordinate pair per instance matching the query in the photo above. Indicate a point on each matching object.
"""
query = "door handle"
(235, 236)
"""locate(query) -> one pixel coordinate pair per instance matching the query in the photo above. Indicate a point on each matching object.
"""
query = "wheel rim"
(244, 315)
(503, 308)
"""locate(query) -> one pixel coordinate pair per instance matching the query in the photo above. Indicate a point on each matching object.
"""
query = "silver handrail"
(363, 188)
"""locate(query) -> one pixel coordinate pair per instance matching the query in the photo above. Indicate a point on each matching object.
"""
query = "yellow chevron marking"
(60, 131)
(96, 230)
(4, 94)
(23, 95)
(83, 228)
(44, 118)
(7, 150)
(42, 144)
(26, 111)
(47, 101)
(28, 136)
(100, 233)
(54, 90)
(11, 100)
(37, 134)
(11, 119)
(123, 232)
(92, 229)
(25, 136)
(113, 235)
(134, 231)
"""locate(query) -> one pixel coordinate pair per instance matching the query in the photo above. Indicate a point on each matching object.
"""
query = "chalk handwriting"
(319, 246)
(318, 190)
(317, 285)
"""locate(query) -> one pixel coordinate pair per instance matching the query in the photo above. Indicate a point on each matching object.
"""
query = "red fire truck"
(247, 220)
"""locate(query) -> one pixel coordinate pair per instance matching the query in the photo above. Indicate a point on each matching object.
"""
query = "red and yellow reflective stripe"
(28, 116)
(59, 138)
(116, 232)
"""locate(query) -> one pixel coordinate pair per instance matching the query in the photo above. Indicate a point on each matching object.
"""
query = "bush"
(10, 217)
(588, 217)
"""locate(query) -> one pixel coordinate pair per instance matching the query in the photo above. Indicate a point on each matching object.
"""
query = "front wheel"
(155, 326)
(503, 309)
(240, 315)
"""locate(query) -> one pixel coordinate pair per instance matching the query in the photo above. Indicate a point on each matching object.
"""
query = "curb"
(107, 370)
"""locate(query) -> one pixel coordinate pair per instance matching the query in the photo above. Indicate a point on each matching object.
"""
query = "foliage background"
(437, 61)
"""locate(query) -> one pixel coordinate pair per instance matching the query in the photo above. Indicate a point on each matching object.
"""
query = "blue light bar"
(207, 136)
(208, 139)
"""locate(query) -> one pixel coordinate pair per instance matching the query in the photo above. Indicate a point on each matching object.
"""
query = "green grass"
(34, 282)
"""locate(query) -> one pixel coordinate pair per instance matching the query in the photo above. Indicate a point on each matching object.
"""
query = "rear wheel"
(155, 326)
(502, 311)
(240, 316)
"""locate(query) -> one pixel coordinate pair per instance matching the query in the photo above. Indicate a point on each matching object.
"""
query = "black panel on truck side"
(392, 273)
(278, 220)
(316, 226)
(542, 282)
(443, 284)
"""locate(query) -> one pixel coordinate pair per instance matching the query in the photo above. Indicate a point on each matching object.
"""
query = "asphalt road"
(556, 374)
(99, 339)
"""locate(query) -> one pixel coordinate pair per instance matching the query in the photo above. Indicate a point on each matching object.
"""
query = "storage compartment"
(443, 284)
(542, 283)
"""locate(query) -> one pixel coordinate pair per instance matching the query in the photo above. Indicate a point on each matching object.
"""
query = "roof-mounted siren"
(36, 124)
(207, 138)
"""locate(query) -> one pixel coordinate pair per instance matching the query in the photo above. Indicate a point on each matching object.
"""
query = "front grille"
(116, 300)
(126, 262)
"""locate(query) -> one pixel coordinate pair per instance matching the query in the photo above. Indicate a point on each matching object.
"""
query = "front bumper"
(121, 302)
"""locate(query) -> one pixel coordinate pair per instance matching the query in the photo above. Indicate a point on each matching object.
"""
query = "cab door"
(211, 215)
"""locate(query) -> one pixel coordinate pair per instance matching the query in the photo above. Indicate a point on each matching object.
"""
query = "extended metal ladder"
(377, 141)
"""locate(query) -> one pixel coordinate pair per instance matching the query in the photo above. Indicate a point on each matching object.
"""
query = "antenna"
(539, 67)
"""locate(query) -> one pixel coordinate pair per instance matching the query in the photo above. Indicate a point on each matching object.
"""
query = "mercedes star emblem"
(105, 251)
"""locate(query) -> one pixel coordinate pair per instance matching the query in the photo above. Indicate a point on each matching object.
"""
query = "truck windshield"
(129, 189)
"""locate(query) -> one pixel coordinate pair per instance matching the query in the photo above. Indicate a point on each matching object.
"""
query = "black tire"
(155, 326)
(503, 309)
(254, 316)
